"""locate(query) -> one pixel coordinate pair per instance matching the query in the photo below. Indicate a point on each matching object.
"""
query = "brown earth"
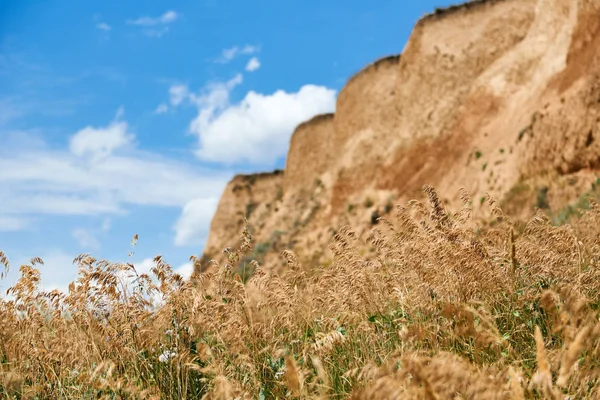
(496, 96)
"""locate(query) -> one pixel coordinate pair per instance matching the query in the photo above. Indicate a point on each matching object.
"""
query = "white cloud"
(56, 273)
(53, 286)
(248, 49)
(120, 112)
(103, 26)
(13, 224)
(86, 238)
(53, 183)
(216, 95)
(161, 109)
(157, 26)
(144, 266)
(253, 64)
(158, 32)
(167, 18)
(28, 138)
(193, 224)
(185, 270)
(41, 199)
(177, 94)
(229, 54)
(99, 143)
(41, 180)
(58, 264)
(258, 129)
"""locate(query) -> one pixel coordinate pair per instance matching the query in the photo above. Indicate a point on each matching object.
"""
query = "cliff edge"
(496, 96)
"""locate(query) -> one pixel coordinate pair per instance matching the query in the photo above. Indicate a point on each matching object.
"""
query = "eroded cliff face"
(496, 96)
(310, 154)
(246, 197)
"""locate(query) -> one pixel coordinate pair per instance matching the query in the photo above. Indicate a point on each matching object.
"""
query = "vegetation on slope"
(449, 309)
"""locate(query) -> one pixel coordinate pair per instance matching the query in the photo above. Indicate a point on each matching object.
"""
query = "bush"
(542, 198)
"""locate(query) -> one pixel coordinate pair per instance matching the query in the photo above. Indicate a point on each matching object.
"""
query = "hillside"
(496, 96)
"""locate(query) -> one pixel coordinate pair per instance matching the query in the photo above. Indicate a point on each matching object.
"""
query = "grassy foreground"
(448, 309)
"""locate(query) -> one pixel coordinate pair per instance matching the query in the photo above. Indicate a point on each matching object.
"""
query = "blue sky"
(119, 118)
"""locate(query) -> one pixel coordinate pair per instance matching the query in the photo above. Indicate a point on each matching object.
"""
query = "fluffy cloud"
(177, 94)
(99, 143)
(161, 109)
(146, 265)
(185, 270)
(12, 223)
(58, 270)
(57, 184)
(229, 54)
(86, 238)
(258, 129)
(167, 18)
(157, 26)
(39, 180)
(159, 32)
(191, 228)
(103, 26)
(253, 64)
(42, 182)
(216, 95)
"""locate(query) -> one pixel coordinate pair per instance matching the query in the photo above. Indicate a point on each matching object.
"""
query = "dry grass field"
(450, 308)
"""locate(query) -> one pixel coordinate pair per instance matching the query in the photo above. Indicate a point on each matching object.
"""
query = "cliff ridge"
(496, 96)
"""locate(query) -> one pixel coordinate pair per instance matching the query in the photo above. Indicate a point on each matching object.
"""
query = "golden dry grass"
(448, 308)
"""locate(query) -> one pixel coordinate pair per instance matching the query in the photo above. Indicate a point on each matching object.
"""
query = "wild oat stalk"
(442, 309)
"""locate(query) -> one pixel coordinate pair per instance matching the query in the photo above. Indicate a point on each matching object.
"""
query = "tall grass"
(447, 308)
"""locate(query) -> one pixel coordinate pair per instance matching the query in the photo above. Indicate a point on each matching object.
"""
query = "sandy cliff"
(498, 96)
(246, 197)
(310, 154)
